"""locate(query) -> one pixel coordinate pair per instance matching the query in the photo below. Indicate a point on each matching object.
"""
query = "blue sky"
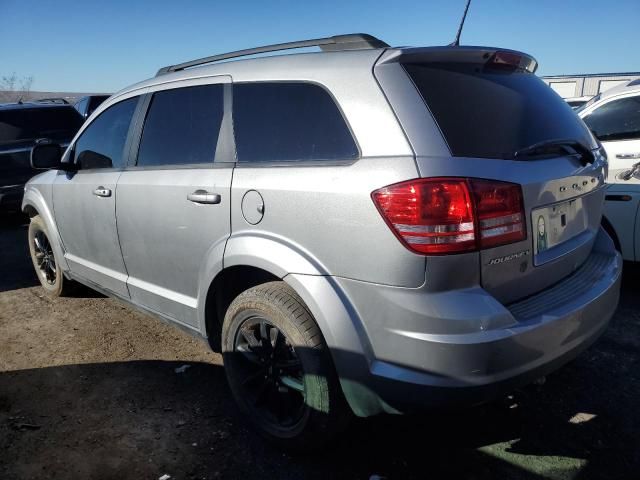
(95, 46)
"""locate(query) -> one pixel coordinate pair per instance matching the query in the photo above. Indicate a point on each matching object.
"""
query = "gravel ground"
(88, 390)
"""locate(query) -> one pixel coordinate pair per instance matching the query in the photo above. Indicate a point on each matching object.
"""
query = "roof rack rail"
(56, 100)
(353, 41)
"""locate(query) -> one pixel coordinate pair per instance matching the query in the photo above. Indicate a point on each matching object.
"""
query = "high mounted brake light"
(451, 215)
(503, 60)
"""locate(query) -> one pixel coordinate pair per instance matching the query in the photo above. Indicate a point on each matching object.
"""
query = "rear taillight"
(499, 211)
(450, 215)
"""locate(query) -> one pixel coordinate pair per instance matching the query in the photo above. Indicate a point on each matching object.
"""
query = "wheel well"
(612, 233)
(29, 210)
(229, 283)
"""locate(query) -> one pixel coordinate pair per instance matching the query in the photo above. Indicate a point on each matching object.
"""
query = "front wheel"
(279, 368)
(45, 261)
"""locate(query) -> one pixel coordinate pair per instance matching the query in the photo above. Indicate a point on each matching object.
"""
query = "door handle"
(628, 155)
(202, 196)
(102, 192)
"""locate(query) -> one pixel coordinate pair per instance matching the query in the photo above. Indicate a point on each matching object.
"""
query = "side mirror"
(46, 156)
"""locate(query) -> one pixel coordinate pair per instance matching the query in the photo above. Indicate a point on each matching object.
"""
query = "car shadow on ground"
(142, 419)
(16, 270)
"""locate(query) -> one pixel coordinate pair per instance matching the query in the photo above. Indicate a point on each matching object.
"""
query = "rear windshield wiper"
(568, 146)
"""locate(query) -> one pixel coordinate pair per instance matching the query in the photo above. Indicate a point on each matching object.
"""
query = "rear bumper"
(489, 348)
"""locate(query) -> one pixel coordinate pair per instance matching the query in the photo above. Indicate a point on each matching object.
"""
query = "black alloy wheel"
(272, 374)
(45, 260)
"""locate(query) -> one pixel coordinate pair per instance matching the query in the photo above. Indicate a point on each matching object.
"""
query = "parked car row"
(361, 230)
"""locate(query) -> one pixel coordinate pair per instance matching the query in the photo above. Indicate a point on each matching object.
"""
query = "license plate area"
(555, 224)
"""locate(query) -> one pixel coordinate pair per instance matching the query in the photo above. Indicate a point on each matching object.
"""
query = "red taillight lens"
(450, 215)
(499, 212)
(429, 215)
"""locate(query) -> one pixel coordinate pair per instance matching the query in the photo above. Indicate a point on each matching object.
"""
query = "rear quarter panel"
(326, 213)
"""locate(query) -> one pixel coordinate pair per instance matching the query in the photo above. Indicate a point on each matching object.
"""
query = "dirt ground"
(88, 390)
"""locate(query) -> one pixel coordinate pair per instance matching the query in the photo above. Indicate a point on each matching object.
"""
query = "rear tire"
(45, 260)
(280, 370)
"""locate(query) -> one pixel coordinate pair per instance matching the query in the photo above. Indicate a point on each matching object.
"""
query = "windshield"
(493, 113)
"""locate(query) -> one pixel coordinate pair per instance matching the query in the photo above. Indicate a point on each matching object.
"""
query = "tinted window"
(289, 121)
(182, 126)
(56, 123)
(616, 120)
(101, 145)
(492, 113)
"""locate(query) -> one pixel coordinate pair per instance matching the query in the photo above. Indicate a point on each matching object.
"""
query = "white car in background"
(614, 117)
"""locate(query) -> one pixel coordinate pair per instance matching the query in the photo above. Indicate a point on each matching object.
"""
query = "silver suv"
(364, 229)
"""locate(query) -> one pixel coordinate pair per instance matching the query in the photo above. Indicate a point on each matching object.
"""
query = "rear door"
(84, 202)
(616, 123)
(492, 111)
(173, 205)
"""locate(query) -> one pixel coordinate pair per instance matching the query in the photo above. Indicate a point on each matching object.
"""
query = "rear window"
(285, 122)
(30, 123)
(493, 113)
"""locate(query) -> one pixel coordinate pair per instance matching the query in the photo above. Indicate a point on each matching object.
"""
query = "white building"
(588, 85)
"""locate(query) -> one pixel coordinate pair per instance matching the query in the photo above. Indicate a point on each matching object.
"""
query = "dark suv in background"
(21, 125)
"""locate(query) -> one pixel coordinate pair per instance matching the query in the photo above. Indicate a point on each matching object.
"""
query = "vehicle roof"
(32, 105)
(271, 67)
(302, 66)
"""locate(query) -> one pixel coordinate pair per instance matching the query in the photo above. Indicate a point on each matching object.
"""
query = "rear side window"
(493, 113)
(616, 120)
(55, 123)
(101, 144)
(182, 126)
(285, 122)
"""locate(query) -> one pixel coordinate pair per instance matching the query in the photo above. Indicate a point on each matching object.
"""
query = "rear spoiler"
(496, 57)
